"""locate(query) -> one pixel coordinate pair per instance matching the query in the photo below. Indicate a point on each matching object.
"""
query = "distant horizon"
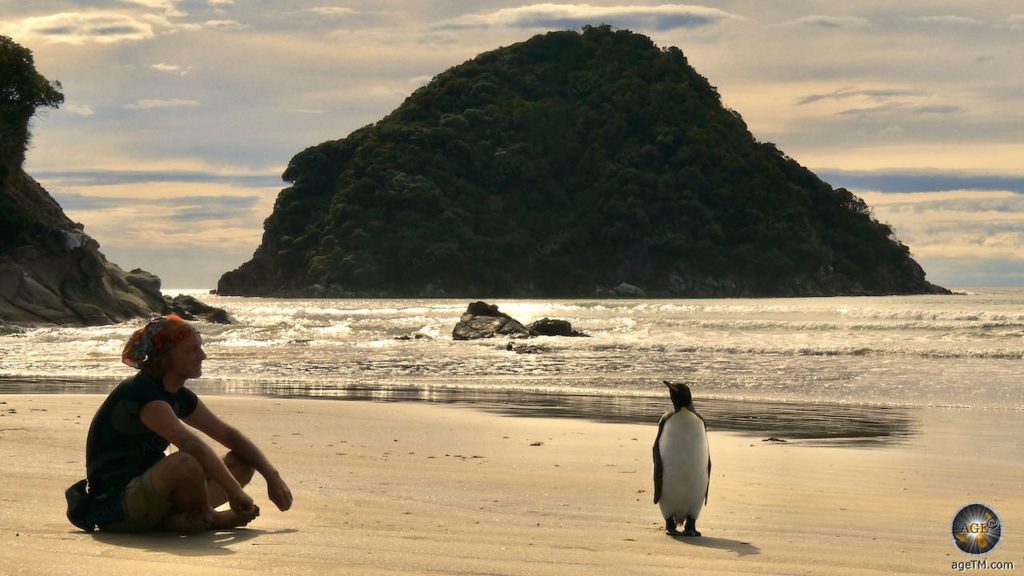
(954, 289)
(191, 109)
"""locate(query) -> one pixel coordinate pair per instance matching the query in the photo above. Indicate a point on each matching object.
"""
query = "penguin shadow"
(211, 543)
(739, 548)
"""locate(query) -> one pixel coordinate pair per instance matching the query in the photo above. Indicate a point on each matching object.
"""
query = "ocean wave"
(734, 350)
(964, 316)
(901, 349)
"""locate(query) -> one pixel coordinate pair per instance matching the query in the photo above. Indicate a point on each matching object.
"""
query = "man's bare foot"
(188, 522)
(225, 519)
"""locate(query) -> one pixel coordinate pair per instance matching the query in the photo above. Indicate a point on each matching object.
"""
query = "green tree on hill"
(22, 91)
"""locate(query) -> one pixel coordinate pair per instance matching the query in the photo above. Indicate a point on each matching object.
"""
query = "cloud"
(968, 272)
(87, 178)
(847, 93)
(228, 25)
(220, 2)
(78, 109)
(829, 22)
(150, 104)
(1016, 21)
(970, 240)
(169, 7)
(172, 69)
(213, 210)
(139, 218)
(951, 232)
(937, 109)
(964, 203)
(901, 109)
(80, 28)
(922, 181)
(330, 10)
(881, 103)
(947, 19)
(565, 16)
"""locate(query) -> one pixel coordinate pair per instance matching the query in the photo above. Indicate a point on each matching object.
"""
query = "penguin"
(682, 463)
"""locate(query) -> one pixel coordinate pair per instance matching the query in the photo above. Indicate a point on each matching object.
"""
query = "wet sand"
(387, 488)
(833, 423)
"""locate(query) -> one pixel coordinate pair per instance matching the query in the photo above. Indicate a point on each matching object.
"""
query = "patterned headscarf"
(157, 336)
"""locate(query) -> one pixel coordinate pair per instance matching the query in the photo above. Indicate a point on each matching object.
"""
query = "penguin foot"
(670, 527)
(690, 528)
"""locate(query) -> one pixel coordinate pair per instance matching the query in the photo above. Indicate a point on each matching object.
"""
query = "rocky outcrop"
(56, 274)
(414, 336)
(519, 348)
(553, 327)
(6, 330)
(189, 308)
(626, 290)
(482, 320)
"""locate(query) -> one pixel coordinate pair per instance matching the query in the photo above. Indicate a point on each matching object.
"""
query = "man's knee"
(176, 475)
(240, 469)
(185, 467)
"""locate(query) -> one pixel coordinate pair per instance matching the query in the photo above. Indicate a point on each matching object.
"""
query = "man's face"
(187, 358)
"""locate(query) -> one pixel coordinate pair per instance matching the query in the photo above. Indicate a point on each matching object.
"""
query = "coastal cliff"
(574, 164)
(51, 272)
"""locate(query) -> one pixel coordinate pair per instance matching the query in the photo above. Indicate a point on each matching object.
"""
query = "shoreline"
(838, 423)
(384, 488)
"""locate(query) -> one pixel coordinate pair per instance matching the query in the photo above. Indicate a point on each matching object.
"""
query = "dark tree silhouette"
(22, 91)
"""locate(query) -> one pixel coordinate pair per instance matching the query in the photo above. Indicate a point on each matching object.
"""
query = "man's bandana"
(156, 337)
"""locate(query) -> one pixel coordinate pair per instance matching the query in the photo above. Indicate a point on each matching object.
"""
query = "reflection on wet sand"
(807, 422)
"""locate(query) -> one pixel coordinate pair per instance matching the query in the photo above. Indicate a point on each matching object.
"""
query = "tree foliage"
(22, 91)
(568, 162)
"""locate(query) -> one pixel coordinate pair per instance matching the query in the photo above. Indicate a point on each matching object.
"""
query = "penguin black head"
(680, 393)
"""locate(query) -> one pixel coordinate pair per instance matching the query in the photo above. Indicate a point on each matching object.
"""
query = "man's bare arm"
(204, 420)
(158, 417)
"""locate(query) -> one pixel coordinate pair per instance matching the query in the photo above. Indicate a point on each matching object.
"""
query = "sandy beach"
(389, 488)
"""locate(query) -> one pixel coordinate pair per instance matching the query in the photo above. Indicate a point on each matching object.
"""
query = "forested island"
(574, 164)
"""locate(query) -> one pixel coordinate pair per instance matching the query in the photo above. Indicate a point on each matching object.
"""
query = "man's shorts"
(144, 508)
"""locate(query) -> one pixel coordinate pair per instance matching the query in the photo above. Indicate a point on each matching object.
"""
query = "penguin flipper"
(658, 467)
(707, 488)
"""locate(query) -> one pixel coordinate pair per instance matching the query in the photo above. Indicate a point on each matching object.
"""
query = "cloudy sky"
(180, 115)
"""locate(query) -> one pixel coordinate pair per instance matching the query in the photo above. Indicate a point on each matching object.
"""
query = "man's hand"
(279, 492)
(204, 420)
(243, 505)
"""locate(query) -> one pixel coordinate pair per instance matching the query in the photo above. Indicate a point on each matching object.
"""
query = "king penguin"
(682, 463)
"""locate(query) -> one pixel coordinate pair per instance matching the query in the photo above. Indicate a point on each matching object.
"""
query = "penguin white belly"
(684, 457)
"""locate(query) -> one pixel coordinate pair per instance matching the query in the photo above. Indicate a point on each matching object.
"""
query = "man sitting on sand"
(132, 485)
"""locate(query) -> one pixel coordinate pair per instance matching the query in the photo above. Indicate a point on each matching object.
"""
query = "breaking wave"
(922, 350)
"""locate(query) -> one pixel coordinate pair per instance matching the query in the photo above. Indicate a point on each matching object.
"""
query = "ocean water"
(864, 353)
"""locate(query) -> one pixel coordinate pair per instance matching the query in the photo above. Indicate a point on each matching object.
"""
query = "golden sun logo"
(976, 529)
